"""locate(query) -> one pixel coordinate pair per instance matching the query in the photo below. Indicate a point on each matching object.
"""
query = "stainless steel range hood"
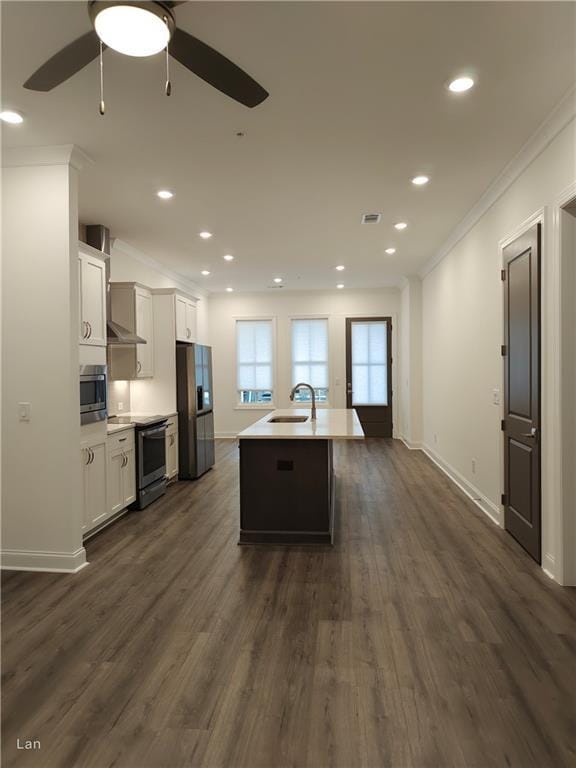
(98, 237)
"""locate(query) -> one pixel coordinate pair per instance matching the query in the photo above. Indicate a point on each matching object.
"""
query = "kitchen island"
(287, 488)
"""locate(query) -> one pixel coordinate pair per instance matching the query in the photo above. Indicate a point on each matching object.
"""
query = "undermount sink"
(288, 420)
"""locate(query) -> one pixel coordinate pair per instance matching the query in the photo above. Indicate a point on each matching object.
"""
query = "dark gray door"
(369, 373)
(521, 425)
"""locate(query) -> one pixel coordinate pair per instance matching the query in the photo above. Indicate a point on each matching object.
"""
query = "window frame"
(324, 403)
(271, 406)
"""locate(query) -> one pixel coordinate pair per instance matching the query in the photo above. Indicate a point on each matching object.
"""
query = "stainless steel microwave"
(93, 393)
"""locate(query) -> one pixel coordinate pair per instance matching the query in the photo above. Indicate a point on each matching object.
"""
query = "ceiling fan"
(144, 29)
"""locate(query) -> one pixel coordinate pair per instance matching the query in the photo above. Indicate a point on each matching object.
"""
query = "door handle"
(533, 434)
(139, 367)
(87, 456)
(85, 326)
(89, 329)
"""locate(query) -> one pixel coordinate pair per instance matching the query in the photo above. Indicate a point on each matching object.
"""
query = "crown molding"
(63, 154)
(143, 258)
(559, 118)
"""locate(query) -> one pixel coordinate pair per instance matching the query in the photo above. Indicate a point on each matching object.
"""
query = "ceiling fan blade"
(216, 69)
(65, 63)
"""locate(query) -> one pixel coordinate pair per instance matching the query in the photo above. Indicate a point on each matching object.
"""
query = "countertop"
(331, 423)
(111, 429)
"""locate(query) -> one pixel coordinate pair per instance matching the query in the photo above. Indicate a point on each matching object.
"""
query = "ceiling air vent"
(371, 218)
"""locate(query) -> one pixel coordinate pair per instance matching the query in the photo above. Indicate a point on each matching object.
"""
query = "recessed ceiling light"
(340, 286)
(400, 225)
(228, 257)
(340, 268)
(205, 272)
(277, 279)
(205, 235)
(390, 251)
(132, 29)
(14, 118)
(165, 194)
(419, 181)
(229, 290)
(461, 84)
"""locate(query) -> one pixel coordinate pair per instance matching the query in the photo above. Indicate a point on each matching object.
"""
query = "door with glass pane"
(369, 373)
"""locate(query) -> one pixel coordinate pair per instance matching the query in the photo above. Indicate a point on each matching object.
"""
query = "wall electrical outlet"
(496, 395)
(120, 406)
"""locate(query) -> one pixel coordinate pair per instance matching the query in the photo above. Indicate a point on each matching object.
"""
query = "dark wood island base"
(286, 491)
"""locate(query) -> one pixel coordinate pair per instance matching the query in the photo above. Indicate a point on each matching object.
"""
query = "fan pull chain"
(168, 86)
(102, 105)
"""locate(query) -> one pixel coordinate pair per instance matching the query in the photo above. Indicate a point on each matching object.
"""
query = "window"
(310, 358)
(254, 376)
(370, 363)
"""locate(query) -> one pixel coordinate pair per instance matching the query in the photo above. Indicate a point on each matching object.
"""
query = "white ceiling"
(357, 106)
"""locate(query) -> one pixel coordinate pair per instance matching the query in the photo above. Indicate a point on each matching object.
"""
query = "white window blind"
(370, 363)
(310, 352)
(254, 355)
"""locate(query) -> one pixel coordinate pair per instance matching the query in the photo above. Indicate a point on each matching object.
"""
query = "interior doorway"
(522, 390)
(369, 373)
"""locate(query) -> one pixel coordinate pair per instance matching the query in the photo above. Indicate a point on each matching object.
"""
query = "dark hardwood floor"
(424, 638)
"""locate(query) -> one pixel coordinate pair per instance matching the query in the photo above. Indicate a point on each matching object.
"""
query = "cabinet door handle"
(122, 439)
(124, 459)
(89, 329)
(85, 326)
(138, 367)
(187, 333)
(90, 455)
(171, 439)
(87, 456)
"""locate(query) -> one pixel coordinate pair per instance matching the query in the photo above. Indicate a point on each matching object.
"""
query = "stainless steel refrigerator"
(195, 416)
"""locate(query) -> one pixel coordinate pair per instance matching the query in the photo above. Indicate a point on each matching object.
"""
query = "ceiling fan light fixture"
(134, 29)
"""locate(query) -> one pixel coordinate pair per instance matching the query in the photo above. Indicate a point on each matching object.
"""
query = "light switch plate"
(496, 395)
(24, 411)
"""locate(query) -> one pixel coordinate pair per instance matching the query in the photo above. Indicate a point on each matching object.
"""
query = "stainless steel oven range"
(150, 438)
(93, 396)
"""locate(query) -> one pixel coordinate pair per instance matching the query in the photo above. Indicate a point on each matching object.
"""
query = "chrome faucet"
(311, 388)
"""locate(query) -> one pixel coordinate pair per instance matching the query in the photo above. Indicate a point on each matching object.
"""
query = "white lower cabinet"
(121, 471)
(109, 477)
(94, 480)
(172, 448)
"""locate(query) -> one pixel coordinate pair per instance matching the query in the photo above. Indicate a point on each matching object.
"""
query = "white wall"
(410, 422)
(335, 305)
(42, 494)
(463, 330)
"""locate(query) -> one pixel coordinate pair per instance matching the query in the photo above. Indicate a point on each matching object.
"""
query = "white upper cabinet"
(132, 307)
(92, 295)
(185, 318)
(144, 328)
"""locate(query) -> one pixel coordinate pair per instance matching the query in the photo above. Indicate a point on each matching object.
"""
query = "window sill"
(255, 407)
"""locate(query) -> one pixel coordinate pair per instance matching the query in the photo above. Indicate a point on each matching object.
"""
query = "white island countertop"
(330, 424)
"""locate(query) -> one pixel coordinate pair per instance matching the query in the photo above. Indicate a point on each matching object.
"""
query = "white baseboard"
(549, 566)
(414, 446)
(225, 435)
(488, 507)
(52, 562)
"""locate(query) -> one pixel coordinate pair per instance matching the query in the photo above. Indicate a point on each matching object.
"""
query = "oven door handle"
(154, 434)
